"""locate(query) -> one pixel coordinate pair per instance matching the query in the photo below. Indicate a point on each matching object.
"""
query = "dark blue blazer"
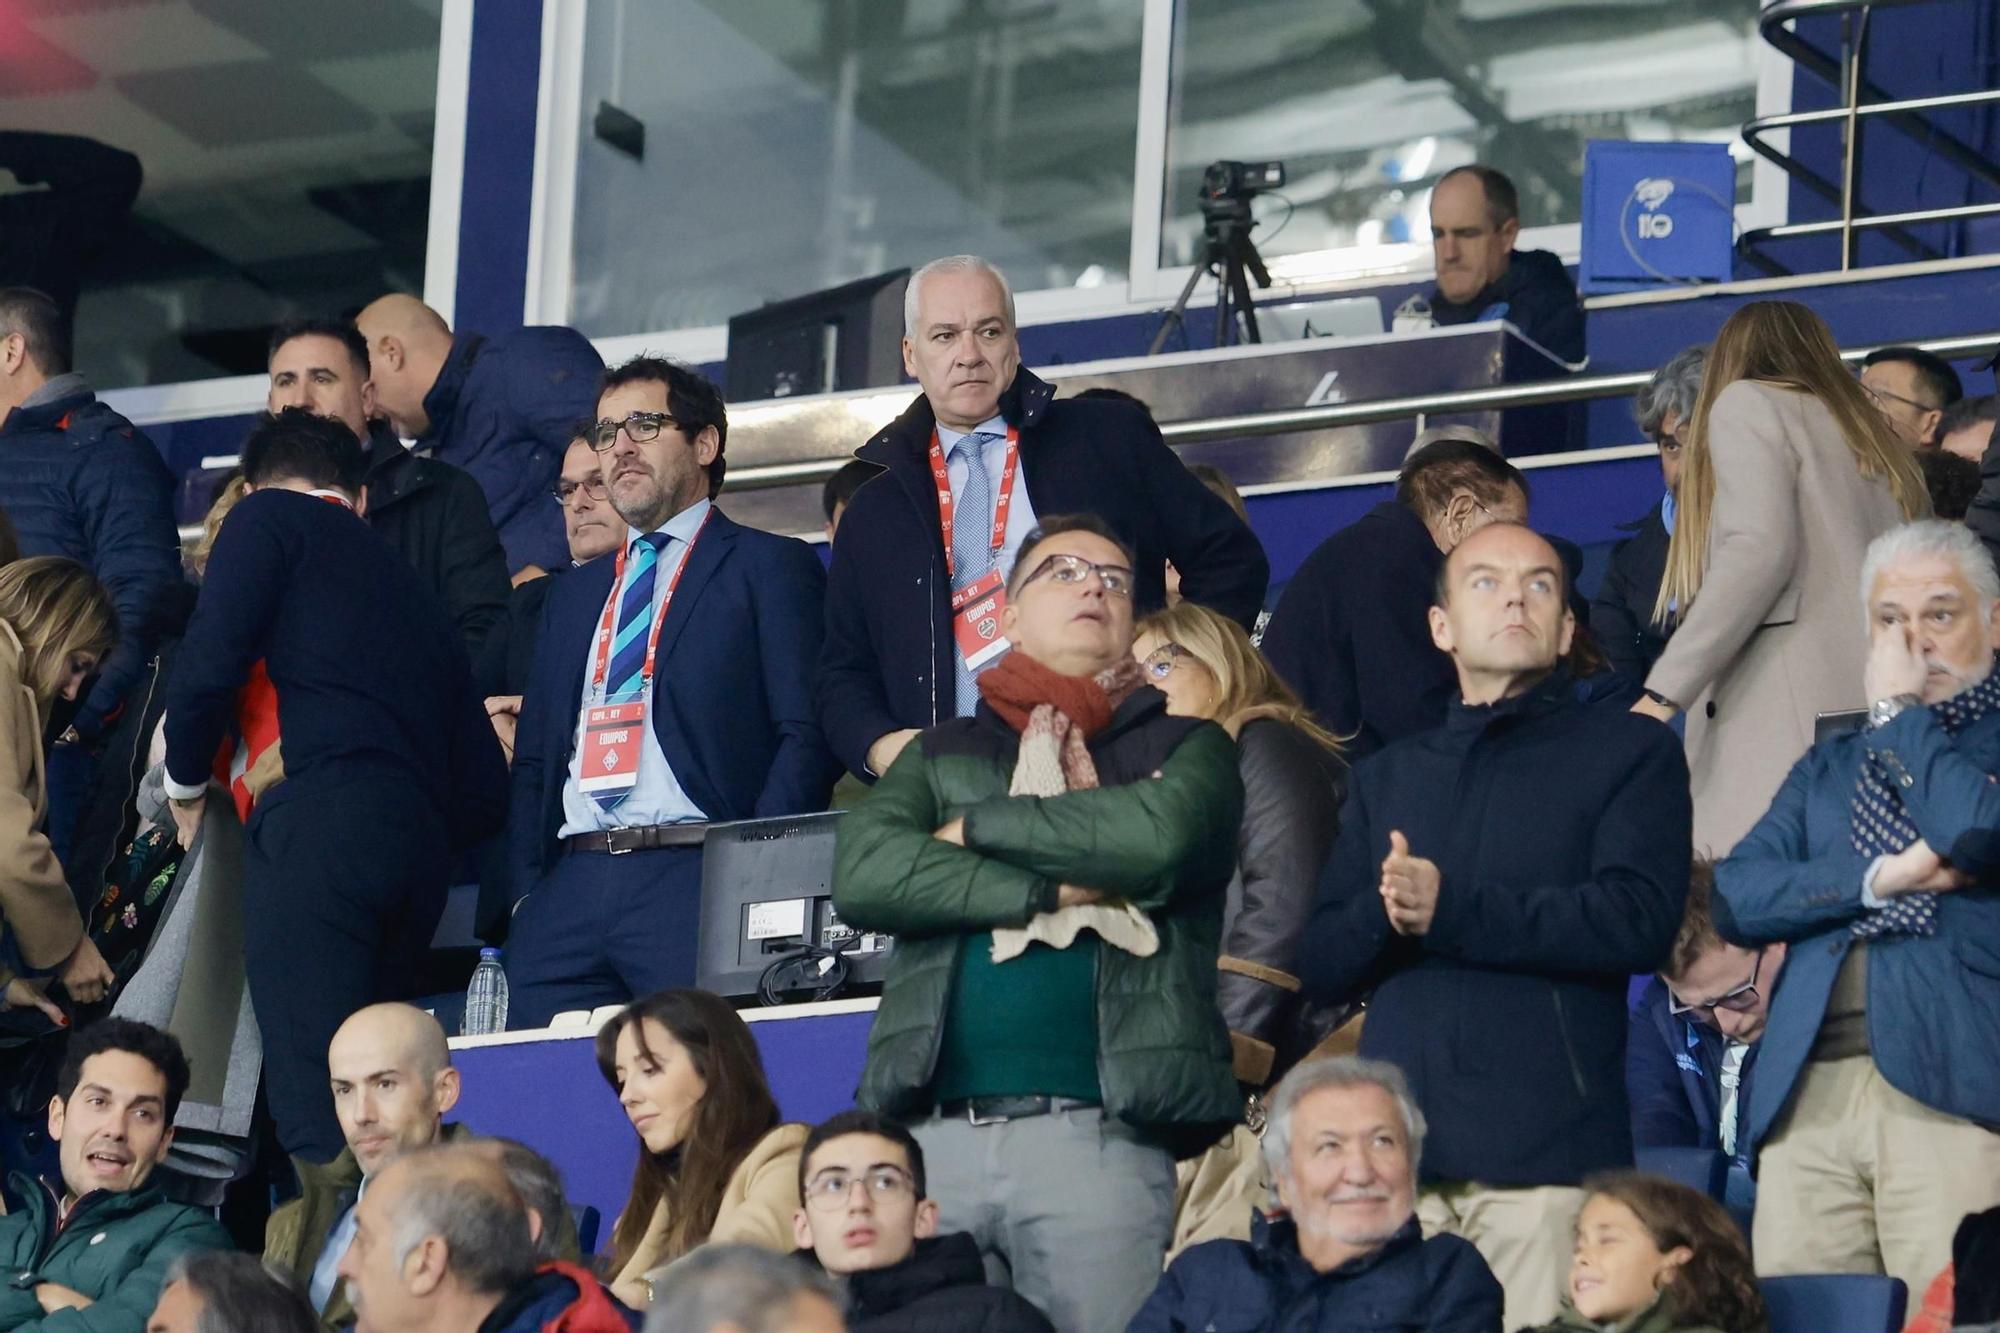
(1673, 1074)
(1933, 1001)
(732, 695)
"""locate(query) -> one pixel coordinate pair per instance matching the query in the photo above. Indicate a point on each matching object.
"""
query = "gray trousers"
(1071, 1211)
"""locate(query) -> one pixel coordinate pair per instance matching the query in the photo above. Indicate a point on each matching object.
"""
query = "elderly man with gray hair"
(1621, 615)
(1341, 1248)
(1877, 1099)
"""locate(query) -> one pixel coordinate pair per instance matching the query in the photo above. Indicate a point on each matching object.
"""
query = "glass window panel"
(791, 145)
(1368, 102)
(286, 153)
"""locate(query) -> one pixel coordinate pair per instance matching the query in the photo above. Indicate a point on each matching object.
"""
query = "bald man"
(500, 407)
(390, 1070)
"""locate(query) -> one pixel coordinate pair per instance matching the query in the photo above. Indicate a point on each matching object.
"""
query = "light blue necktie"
(971, 546)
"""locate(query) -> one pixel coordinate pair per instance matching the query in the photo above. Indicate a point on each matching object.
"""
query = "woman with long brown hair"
(56, 626)
(714, 1161)
(1787, 473)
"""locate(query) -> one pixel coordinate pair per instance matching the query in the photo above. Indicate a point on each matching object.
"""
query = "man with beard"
(671, 688)
(1343, 1247)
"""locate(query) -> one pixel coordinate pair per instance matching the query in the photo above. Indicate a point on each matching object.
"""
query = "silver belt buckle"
(611, 844)
(972, 1116)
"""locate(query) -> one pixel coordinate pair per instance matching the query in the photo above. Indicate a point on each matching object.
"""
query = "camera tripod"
(1228, 253)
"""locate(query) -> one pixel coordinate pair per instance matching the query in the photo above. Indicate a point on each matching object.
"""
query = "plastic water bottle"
(486, 997)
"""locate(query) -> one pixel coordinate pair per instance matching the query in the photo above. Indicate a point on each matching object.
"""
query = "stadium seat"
(1835, 1303)
(1704, 1169)
(587, 1219)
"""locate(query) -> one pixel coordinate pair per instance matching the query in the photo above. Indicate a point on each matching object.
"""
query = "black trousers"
(342, 890)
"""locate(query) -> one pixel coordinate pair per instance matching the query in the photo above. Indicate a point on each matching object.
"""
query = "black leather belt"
(618, 841)
(999, 1110)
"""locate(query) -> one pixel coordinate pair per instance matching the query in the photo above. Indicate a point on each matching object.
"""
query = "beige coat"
(1777, 635)
(34, 899)
(757, 1208)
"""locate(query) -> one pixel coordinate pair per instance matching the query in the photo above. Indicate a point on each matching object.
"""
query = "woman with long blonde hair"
(56, 626)
(1293, 779)
(1787, 473)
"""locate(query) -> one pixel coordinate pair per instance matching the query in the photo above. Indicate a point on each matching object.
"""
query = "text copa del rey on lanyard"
(612, 731)
(976, 608)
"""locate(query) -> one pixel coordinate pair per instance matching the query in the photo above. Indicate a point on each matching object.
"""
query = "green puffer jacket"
(115, 1249)
(1659, 1317)
(1159, 832)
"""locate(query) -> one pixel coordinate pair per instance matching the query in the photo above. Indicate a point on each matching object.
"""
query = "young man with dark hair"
(100, 1249)
(1912, 388)
(430, 512)
(840, 489)
(390, 765)
(866, 1222)
(1351, 633)
(671, 688)
(1054, 868)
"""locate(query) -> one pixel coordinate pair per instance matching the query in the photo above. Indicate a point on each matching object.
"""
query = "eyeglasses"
(1739, 1001)
(565, 491)
(1876, 396)
(1160, 663)
(639, 428)
(830, 1189)
(1070, 569)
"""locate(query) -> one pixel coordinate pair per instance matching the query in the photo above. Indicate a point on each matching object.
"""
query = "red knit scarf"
(1058, 713)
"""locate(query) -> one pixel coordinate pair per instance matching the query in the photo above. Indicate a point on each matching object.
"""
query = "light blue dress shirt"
(656, 797)
(326, 1274)
(1020, 513)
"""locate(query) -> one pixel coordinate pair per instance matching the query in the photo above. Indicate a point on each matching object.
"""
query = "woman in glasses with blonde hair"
(56, 626)
(1293, 780)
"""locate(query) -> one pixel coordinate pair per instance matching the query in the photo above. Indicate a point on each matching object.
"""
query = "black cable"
(800, 978)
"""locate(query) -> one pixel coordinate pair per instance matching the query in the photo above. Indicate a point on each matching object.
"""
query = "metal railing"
(1291, 420)
(1860, 100)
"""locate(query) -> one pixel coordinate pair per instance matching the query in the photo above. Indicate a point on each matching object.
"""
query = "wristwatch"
(1883, 711)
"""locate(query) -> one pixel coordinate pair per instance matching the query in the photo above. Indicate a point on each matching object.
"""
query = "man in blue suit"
(672, 687)
(1877, 1099)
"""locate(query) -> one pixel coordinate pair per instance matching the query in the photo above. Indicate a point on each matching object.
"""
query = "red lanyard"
(604, 628)
(1006, 497)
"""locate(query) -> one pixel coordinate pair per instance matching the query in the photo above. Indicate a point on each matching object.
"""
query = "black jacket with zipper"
(940, 1288)
(887, 660)
(1560, 834)
(434, 515)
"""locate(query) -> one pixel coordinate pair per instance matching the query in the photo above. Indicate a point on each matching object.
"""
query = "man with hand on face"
(1494, 884)
(671, 688)
(1475, 220)
(985, 449)
(93, 1258)
(1877, 1099)
(392, 1085)
(1054, 868)
(430, 512)
(1342, 1248)
(867, 1224)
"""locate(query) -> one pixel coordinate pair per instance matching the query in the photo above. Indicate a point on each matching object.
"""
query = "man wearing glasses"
(671, 688)
(1877, 1099)
(1054, 868)
(868, 1225)
(1692, 1048)
(1912, 388)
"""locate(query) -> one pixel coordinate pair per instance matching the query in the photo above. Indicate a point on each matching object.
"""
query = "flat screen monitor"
(766, 893)
(846, 337)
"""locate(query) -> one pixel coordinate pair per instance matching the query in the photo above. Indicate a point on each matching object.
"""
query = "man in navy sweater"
(1495, 883)
(390, 766)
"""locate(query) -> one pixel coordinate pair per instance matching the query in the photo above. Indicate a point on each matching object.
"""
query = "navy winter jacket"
(1673, 1074)
(1264, 1285)
(888, 661)
(1933, 1000)
(79, 480)
(1560, 833)
(502, 409)
(1535, 295)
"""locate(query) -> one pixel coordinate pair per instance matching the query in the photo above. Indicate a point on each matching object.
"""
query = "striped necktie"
(971, 546)
(625, 677)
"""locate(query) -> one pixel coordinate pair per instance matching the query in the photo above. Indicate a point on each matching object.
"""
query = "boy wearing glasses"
(867, 1224)
(1692, 1048)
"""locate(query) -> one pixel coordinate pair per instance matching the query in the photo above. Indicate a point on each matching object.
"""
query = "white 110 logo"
(1655, 226)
